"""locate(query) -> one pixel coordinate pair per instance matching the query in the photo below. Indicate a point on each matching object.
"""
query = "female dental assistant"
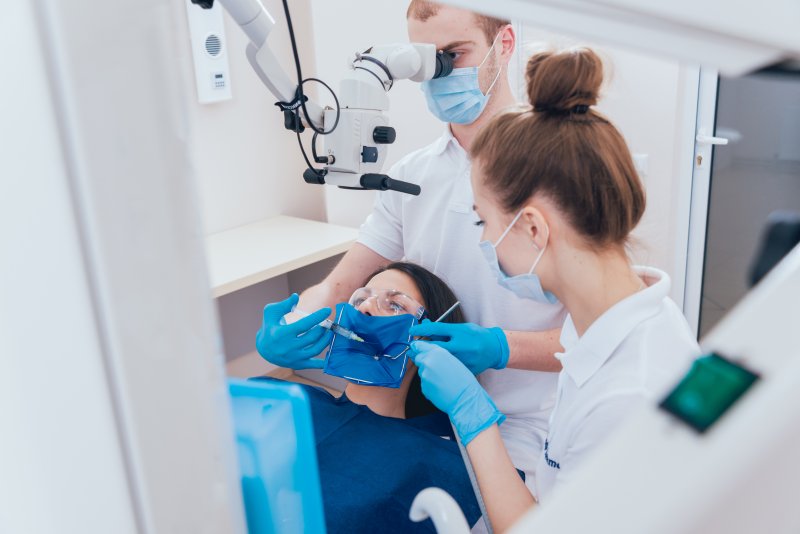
(558, 196)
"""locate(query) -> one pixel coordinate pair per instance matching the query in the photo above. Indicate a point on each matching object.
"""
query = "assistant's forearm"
(504, 493)
(534, 351)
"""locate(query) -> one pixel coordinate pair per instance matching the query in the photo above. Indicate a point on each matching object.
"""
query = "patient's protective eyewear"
(389, 301)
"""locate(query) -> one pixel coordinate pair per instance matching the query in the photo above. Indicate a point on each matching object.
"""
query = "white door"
(747, 167)
(701, 178)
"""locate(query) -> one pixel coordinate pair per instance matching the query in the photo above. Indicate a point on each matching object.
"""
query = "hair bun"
(563, 82)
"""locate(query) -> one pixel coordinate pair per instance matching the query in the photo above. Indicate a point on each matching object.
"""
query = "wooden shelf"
(250, 254)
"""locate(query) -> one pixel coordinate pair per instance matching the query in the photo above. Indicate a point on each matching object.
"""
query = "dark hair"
(563, 150)
(438, 298)
(424, 9)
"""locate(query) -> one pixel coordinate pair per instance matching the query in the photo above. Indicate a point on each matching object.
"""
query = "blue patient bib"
(376, 361)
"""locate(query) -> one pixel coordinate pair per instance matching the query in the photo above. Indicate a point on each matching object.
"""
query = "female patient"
(377, 447)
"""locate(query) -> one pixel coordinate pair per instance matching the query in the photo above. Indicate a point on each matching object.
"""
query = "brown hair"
(423, 10)
(562, 149)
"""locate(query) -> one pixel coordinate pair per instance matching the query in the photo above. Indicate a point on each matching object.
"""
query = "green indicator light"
(708, 390)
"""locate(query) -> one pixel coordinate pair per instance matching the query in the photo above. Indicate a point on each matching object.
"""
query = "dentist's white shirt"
(437, 230)
(631, 355)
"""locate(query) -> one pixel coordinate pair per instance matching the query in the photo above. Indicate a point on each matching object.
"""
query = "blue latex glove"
(453, 389)
(477, 347)
(292, 345)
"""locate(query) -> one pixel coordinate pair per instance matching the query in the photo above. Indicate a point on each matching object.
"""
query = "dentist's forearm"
(534, 351)
(348, 275)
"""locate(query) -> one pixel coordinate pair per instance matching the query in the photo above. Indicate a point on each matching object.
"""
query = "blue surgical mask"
(527, 286)
(381, 360)
(457, 98)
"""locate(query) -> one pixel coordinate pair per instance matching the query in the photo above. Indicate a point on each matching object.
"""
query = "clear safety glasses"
(389, 301)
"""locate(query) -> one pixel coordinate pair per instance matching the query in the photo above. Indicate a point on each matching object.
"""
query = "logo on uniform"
(550, 462)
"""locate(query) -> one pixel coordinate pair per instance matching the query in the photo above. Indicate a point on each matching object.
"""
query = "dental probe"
(333, 327)
(448, 312)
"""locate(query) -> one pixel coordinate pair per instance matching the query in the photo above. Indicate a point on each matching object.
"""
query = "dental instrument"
(333, 327)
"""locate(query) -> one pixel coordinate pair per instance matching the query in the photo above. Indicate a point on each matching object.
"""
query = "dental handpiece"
(333, 327)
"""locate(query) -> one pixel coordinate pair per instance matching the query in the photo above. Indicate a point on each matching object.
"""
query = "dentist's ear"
(507, 42)
(535, 224)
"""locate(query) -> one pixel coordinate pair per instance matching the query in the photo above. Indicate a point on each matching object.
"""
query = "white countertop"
(255, 252)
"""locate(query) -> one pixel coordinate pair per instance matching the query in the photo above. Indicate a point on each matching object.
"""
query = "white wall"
(643, 98)
(247, 165)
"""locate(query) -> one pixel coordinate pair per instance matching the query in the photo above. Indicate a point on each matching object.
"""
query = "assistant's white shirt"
(631, 355)
(437, 230)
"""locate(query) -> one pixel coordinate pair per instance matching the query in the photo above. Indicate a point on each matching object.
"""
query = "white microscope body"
(360, 148)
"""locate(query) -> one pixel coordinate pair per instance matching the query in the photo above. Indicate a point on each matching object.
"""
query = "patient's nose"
(369, 306)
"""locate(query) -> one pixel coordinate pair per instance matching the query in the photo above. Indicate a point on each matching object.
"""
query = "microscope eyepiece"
(444, 64)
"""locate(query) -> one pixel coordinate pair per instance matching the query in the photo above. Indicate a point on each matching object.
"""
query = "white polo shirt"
(631, 355)
(437, 230)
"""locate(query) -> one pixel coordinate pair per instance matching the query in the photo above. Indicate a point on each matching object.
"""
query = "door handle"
(711, 140)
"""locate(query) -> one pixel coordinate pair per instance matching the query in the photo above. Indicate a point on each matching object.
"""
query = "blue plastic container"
(277, 457)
